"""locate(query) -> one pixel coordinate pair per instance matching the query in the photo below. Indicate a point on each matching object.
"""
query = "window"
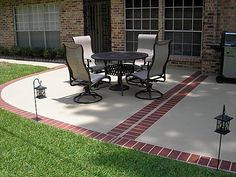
(141, 17)
(37, 26)
(183, 24)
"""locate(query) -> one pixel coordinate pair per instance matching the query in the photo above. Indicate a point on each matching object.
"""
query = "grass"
(12, 71)
(28, 148)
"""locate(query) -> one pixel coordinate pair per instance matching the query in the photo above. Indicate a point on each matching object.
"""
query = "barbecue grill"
(228, 57)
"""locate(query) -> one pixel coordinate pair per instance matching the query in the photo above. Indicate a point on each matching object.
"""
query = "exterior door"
(98, 24)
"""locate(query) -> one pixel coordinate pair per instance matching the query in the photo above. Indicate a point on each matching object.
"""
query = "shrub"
(3, 51)
(25, 52)
(36, 52)
(14, 51)
(49, 54)
(60, 53)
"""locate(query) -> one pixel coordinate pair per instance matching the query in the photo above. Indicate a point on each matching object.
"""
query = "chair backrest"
(160, 58)
(85, 41)
(146, 43)
(75, 63)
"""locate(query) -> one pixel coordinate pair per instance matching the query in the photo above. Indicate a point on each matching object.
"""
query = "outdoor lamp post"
(39, 92)
(222, 127)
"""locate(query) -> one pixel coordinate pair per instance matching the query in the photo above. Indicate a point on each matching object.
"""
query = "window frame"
(182, 30)
(141, 30)
(33, 22)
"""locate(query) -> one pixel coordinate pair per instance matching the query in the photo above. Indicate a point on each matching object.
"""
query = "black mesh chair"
(94, 66)
(80, 75)
(155, 71)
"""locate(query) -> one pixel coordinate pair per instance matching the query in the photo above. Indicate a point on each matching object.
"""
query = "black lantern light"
(222, 127)
(39, 92)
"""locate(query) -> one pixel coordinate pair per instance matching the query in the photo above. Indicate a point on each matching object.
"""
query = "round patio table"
(119, 69)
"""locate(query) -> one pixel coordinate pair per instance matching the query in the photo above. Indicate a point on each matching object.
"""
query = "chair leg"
(134, 81)
(149, 93)
(87, 97)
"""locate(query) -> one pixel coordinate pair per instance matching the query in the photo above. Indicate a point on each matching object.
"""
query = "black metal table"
(119, 69)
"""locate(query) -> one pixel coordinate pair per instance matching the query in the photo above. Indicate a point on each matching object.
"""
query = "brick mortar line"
(181, 94)
(165, 97)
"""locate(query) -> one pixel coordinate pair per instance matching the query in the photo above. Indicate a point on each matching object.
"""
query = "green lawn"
(28, 148)
(12, 71)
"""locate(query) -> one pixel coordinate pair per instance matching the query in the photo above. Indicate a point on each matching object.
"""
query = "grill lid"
(230, 39)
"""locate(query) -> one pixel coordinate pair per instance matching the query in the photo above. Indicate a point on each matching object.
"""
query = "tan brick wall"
(72, 19)
(117, 25)
(228, 15)
(6, 24)
(209, 36)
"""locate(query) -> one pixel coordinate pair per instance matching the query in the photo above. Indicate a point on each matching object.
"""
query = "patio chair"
(155, 71)
(145, 44)
(85, 41)
(80, 75)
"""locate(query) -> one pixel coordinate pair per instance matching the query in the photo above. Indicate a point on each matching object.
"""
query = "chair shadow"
(67, 99)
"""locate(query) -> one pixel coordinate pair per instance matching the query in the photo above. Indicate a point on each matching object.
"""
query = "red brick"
(108, 138)
(113, 133)
(130, 143)
(156, 150)
(133, 134)
(100, 136)
(139, 145)
(233, 167)
(147, 148)
(184, 156)
(130, 137)
(225, 165)
(94, 134)
(80, 130)
(164, 152)
(204, 161)
(87, 133)
(194, 158)
(122, 141)
(174, 154)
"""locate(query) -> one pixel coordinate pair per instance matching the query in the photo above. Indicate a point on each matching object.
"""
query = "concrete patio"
(180, 125)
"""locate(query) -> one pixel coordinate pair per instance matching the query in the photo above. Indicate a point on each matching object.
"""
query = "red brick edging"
(128, 140)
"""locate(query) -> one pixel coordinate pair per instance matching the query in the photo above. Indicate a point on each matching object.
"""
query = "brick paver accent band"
(151, 119)
(124, 126)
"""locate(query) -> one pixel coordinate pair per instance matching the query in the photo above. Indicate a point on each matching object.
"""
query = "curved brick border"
(125, 142)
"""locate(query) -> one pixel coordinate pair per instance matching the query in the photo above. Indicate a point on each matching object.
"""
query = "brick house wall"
(117, 25)
(6, 24)
(72, 19)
